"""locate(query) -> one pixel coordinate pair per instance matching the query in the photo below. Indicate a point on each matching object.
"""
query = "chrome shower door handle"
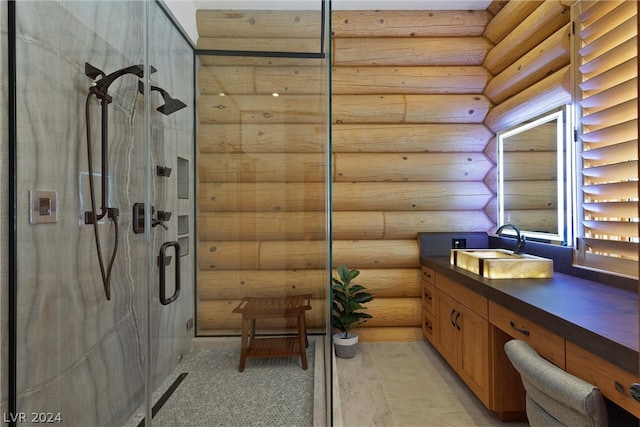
(163, 262)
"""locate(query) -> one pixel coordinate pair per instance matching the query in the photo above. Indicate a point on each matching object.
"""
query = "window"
(607, 136)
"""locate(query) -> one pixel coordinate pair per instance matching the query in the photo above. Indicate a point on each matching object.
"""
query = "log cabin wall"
(531, 75)
(407, 143)
(261, 167)
(417, 99)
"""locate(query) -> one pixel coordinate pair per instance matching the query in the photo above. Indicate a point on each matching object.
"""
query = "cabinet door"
(446, 335)
(473, 353)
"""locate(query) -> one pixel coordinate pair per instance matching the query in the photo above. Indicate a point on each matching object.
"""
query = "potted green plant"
(347, 307)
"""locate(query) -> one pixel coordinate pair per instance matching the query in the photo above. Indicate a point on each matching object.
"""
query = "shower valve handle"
(155, 222)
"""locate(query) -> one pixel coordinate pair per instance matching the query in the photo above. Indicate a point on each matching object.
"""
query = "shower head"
(171, 105)
(101, 86)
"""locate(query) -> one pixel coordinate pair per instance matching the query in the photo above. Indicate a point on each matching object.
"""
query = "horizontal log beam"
(410, 196)
(262, 109)
(552, 92)
(259, 23)
(394, 312)
(406, 138)
(259, 44)
(535, 219)
(540, 24)
(406, 167)
(249, 197)
(356, 225)
(267, 255)
(260, 226)
(405, 23)
(508, 18)
(390, 109)
(533, 166)
(538, 195)
(376, 253)
(407, 225)
(408, 80)
(244, 80)
(261, 138)
(265, 61)
(237, 284)
(410, 51)
(548, 57)
(262, 167)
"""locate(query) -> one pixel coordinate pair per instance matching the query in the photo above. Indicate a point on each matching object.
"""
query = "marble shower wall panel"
(4, 214)
(80, 354)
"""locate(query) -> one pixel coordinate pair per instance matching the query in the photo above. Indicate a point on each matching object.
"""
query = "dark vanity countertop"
(599, 318)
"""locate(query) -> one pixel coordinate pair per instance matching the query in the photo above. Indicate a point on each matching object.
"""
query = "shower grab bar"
(163, 262)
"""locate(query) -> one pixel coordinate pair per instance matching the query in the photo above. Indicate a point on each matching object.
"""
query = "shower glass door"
(263, 208)
(100, 156)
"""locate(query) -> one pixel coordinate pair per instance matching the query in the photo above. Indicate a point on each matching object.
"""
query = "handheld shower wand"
(100, 90)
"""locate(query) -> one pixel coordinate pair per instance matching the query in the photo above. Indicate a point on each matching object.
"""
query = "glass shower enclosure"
(101, 305)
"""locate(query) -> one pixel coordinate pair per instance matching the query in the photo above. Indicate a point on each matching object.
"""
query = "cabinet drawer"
(613, 382)
(477, 303)
(428, 275)
(427, 297)
(549, 345)
(428, 325)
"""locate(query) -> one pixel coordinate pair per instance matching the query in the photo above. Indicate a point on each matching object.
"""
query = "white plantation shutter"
(608, 136)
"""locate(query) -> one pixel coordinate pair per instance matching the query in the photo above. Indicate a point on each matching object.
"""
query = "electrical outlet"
(458, 243)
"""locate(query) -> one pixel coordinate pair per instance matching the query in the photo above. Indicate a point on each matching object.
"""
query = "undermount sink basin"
(502, 264)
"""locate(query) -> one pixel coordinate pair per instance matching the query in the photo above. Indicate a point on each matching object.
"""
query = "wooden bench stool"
(253, 308)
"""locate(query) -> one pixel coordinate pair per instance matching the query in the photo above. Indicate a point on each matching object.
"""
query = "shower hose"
(105, 273)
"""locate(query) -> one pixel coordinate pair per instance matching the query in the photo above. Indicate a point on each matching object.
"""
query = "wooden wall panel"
(408, 156)
(540, 24)
(548, 57)
(247, 226)
(532, 76)
(405, 23)
(261, 80)
(410, 196)
(408, 80)
(400, 51)
(237, 284)
(248, 197)
(409, 108)
(260, 138)
(508, 18)
(261, 109)
(262, 167)
(258, 23)
(356, 167)
(409, 138)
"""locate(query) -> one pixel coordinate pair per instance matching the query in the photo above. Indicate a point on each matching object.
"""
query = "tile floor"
(404, 385)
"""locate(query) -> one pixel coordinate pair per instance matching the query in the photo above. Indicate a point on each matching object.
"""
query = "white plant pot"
(345, 347)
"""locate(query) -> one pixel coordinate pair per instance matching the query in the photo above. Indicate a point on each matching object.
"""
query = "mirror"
(532, 178)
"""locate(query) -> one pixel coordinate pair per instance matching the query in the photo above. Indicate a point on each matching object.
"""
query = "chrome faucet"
(520, 239)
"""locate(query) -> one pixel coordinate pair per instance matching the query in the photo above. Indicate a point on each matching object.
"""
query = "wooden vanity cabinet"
(613, 381)
(547, 344)
(428, 312)
(462, 334)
